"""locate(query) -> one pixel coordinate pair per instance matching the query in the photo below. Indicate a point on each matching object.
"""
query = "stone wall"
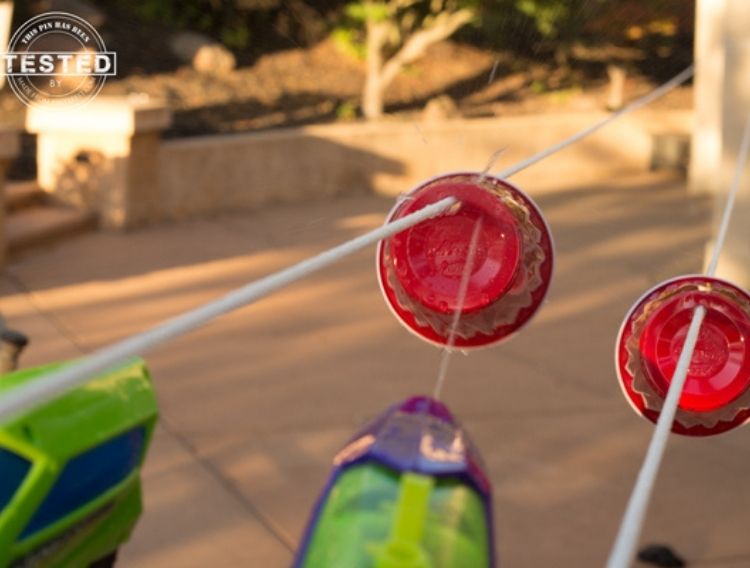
(109, 157)
(103, 157)
(223, 173)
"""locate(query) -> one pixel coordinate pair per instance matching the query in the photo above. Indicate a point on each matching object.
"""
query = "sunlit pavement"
(255, 404)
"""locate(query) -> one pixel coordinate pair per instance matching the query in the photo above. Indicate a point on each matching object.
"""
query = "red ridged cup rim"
(428, 260)
(715, 397)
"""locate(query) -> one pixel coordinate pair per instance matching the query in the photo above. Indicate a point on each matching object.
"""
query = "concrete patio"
(255, 405)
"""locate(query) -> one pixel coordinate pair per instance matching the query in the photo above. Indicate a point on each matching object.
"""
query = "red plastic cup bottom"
(421, 269)
(716, 395)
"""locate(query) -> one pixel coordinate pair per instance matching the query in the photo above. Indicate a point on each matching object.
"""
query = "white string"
(35, 393)
(58, 382)
(635, 105)
(463, 288)
(643, 101)
(626, 542)
(623, 550)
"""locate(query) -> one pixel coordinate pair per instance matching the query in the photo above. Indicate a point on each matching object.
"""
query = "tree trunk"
(381, 73)
(372, 97)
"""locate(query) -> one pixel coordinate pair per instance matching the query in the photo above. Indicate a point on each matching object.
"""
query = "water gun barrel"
(409, 491)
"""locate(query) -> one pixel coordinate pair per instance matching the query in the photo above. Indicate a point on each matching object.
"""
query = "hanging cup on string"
(420, 269)
(716, 395)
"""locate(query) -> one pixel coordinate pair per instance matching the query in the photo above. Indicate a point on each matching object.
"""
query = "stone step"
(22, 194)
(43, 225)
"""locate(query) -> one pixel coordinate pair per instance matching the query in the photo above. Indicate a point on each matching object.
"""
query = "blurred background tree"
(248, 27)
(397, 33)
(286, 61)
(392, 33)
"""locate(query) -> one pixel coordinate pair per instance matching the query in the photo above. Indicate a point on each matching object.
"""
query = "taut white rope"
(58, 382)
(635, 105)
(463, 288)
(623, 550)
(624, 547)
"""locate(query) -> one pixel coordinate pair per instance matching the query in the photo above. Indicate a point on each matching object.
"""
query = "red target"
(716, 395)
(420, 269)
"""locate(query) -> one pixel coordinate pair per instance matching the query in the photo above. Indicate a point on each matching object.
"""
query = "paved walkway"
(255, 404)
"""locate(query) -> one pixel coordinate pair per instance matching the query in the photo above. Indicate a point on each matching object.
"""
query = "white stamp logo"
(57, 58)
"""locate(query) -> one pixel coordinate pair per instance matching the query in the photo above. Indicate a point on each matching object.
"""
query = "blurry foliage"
(667, 28)
(548, 15)
(392, 34)
(350, 41)
(197, 15)
(406, 17)
(235, 37)
(257, 25)
(519, 25)
(538, 26)
(538, 87)
(659, 17)
(529, 29)
(347, 110)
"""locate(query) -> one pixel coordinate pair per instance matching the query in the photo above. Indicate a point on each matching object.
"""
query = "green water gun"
(70, 488)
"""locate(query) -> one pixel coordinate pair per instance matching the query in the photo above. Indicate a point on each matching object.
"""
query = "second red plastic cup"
(716, 394)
